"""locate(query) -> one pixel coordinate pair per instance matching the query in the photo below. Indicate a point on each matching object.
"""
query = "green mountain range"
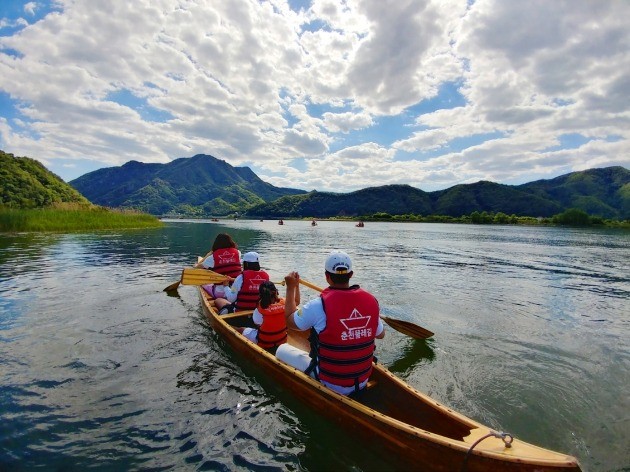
(26, 183)
(199, 186)
(602, 192)
(203, 186)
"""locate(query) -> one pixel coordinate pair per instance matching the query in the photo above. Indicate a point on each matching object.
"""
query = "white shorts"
(251, 334)
(301, 360)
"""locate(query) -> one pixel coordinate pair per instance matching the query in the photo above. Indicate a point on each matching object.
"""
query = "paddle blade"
(408, 328)
(191, 276)
(172, 287)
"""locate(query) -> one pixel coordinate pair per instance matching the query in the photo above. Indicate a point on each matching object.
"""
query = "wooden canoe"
(419, 432)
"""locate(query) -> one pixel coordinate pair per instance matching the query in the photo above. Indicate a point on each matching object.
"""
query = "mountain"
(201, 185)
(26, 183)
(393, 199)
(601, 192)
(604, 192)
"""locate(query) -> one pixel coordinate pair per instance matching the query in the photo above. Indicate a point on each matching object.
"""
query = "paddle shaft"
(405, 327)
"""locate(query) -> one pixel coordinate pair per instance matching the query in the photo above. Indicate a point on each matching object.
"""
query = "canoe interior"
(389, 398)
(410, 424)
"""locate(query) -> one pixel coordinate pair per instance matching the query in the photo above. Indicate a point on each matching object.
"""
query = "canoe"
(418, 432)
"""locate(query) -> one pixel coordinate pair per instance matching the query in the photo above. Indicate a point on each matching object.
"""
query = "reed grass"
(73, 217)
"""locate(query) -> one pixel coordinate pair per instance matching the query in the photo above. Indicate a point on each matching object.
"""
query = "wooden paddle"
(174, 286)
(405, 327)
(192, 276)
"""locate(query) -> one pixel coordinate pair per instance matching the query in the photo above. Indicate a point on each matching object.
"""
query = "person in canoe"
(345, 322)
(243, 293)
(225, 258)
(269, 316)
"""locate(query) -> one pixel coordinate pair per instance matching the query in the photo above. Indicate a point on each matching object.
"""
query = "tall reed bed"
(72, 217)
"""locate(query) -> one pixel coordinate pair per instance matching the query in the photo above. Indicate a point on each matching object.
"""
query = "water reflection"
(414, 353)
(103, 369)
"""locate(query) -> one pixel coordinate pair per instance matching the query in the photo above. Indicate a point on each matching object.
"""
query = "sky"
(327, 95)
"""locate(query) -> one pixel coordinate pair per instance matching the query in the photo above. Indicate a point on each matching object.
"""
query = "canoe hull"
(445, 448)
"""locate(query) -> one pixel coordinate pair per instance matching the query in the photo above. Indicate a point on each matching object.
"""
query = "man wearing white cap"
(243, 294)
(345, 320)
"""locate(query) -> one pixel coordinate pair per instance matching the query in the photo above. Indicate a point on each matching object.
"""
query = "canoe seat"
(371, 383)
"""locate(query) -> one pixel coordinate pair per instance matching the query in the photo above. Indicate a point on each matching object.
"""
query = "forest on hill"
(601, 192)
(199, 186)
(26, 183)
(203, 186)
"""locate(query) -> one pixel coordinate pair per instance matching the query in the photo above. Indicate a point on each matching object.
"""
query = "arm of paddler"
(231, 292)
(292, 299)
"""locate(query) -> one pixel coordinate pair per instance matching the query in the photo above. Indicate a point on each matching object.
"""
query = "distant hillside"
(393, 199)
(198, 186)
(203, 186)
(604, 192)
(26, 183)
(600, 192)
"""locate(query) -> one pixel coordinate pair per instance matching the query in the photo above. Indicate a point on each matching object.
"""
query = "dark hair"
(223, 241)
(251, 265)
(340, 279)
(268, 294)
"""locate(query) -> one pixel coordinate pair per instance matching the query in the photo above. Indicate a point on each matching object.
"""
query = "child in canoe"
(269, 316)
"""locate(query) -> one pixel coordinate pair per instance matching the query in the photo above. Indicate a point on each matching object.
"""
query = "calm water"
(103, 370)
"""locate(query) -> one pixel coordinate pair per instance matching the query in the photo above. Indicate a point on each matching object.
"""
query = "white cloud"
(30, 8)
(352, 88)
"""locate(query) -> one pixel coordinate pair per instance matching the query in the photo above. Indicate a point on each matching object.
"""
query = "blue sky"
(321, 94)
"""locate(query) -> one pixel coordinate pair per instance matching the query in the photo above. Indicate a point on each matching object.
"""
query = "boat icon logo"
(254, 282)
(355, 321)
(226, 258)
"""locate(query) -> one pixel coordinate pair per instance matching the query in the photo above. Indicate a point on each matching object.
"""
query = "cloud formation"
(327, 94)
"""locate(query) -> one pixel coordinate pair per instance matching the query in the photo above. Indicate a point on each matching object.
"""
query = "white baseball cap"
(250, 257)
(338, 262)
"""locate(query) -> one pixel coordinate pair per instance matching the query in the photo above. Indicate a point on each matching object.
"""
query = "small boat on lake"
(417, 432)
(280, 222)
(360, 224)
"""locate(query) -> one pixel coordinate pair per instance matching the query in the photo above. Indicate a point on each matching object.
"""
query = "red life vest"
(345, 347)
(227, 262)
(248, 295)
(273, 330)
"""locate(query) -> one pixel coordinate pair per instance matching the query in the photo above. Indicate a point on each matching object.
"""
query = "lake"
(103, 370)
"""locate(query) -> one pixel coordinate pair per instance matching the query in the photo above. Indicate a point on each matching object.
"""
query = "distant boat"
(313, 223)
(360, 224)
(280, 222)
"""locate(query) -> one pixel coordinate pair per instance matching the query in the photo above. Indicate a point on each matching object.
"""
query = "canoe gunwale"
(364, 414)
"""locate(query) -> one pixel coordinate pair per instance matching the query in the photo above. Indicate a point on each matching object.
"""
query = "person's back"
(247, 297)
(225, 259)
(269, 316)
(344, 321)
(243, 293)
(345, 348)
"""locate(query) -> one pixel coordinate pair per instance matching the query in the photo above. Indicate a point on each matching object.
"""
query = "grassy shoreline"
(74, 218)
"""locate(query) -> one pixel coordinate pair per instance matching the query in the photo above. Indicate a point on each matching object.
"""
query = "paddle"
(175, 285)
(192, 276)
(405, 327)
